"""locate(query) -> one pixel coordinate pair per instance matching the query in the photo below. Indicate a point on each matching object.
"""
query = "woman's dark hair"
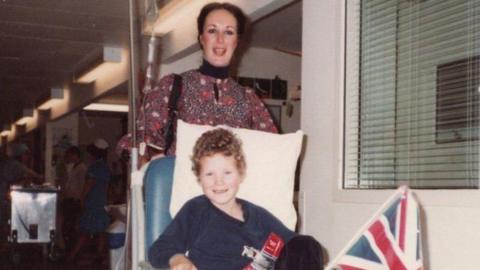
(234, 10)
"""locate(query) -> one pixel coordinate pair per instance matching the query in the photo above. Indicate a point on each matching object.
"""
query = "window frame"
(346, 26)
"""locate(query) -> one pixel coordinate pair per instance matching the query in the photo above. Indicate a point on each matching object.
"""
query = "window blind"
(412, 93)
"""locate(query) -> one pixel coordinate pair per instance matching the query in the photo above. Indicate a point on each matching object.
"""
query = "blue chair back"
(158, 189)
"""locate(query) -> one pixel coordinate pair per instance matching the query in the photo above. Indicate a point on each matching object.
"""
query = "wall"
(259, 62)
(451, 218)
(265, 63)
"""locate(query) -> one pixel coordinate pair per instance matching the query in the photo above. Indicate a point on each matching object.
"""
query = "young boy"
(214, 230)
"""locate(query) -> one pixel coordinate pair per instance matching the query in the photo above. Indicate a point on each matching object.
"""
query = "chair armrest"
(158, 188)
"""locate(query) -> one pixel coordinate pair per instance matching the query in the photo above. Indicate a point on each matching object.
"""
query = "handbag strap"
(175, 94)
(172, 111)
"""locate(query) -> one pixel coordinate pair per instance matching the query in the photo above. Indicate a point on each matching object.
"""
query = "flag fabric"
(391, 240)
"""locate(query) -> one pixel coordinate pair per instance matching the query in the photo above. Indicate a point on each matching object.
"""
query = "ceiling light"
(5, 130)
(110, 57)
(106, 107)
(56, 94)
(26, 115)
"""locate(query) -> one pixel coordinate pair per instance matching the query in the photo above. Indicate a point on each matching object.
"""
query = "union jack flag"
(391, 240)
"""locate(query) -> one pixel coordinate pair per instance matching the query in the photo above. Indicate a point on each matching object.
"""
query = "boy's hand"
(181, 262)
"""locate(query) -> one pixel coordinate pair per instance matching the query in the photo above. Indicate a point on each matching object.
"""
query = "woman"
(209, 96)
(94, 219)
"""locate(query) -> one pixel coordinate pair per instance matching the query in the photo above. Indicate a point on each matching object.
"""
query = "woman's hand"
(151, 155)
(181, 262)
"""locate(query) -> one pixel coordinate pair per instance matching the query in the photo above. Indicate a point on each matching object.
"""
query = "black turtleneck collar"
(217, 72)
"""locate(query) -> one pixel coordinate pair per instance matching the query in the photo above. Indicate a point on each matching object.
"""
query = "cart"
(33, 218)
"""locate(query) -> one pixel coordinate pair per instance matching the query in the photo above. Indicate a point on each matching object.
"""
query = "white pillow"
(271, 161)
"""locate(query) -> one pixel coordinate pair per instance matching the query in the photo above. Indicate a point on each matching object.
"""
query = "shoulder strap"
(176, 91)
(172, 111)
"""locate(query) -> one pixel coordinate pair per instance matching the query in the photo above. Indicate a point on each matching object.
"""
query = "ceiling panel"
(60, 33)
(44, 42)
(113, 8)
(53, 18)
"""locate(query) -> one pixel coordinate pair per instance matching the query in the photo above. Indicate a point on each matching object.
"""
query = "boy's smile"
(220, 180)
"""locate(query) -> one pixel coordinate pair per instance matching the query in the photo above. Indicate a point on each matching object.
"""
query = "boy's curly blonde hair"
(218, 141)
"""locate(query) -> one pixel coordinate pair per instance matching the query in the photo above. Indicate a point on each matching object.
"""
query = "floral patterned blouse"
(236, 106)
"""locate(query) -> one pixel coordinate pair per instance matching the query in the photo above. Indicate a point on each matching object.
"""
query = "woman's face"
(219, 37)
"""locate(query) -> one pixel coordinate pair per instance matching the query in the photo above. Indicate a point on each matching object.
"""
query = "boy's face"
(220, 179)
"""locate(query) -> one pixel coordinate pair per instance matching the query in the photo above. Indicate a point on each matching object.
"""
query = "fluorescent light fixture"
(106, 107)
(56, 94)
(26, 115)
(5, 130)
(111, 57)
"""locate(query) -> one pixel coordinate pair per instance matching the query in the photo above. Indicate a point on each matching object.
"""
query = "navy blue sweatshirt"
(213, 239)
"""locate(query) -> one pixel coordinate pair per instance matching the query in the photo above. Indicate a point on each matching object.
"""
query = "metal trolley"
(33, 218)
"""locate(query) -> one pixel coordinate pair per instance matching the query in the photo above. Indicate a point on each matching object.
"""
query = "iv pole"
(132, 216)
(136, 213)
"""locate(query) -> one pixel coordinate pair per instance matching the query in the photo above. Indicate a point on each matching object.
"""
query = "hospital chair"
(158, 187)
